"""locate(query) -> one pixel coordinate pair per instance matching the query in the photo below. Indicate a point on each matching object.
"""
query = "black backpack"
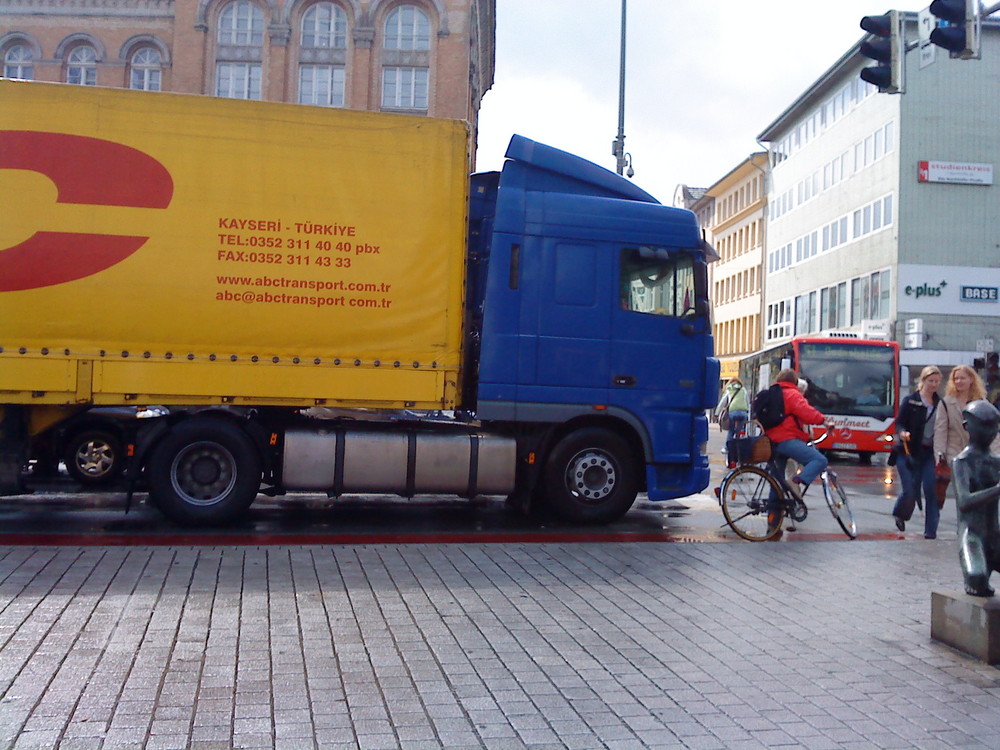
(768, 407)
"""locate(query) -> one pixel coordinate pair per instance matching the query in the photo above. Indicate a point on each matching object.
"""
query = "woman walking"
(915, 460)
(735, 404)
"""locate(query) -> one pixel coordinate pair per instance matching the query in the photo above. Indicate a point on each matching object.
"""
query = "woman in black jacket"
(915, 428)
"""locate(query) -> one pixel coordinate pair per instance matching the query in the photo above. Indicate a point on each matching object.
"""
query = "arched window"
(323, 55)
(145, 69)
(406, 59)
(81, 66)
(17, 63)
(407, 28)
(238, 69)
(324, 26)
(241, 24)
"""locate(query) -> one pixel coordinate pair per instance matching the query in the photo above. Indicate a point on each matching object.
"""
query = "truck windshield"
(657, 282)
(852, 379)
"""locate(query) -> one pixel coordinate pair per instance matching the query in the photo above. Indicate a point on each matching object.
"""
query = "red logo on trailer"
(86, 171)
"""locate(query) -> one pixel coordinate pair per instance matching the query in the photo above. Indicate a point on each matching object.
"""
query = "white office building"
(883, 210)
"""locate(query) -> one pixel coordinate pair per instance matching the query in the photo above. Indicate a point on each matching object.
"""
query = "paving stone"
(480, 646)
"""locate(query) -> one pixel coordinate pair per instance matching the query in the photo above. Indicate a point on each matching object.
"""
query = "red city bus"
(853, 381)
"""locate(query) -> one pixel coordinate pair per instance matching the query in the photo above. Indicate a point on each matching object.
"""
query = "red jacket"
(798, 412)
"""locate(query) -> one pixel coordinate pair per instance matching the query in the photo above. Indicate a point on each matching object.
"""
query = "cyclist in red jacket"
(790, 440)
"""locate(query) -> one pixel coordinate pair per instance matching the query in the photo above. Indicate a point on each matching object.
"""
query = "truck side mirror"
(700, 268)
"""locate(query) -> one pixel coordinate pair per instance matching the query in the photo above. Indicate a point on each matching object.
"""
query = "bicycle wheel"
(839, 506)
(744, 497)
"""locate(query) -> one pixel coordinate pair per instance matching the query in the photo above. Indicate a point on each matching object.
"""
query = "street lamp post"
(622, 159)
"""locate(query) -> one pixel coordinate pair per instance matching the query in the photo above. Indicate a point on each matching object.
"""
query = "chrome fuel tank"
(406, 463)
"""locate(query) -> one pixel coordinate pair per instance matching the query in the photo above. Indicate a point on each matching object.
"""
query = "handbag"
(942, 475)
(722, 411)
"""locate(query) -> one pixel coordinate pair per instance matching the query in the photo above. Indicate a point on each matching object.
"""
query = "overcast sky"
(703, 78)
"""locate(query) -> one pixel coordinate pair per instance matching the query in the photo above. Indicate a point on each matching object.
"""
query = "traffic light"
(887, 49)
(958, 27)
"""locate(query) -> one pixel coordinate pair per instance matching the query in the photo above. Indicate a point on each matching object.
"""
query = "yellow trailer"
(169, 249)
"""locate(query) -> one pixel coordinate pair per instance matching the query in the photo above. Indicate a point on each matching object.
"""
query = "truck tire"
(591, 476)
(204, 472)
(94, 457)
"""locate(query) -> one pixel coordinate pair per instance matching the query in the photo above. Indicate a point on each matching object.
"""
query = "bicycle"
(746, 491)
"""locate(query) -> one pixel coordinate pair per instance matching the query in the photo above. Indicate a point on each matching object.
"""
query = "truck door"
(569, 303)
(659, 344)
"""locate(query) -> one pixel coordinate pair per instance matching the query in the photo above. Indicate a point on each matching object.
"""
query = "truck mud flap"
(13, 453)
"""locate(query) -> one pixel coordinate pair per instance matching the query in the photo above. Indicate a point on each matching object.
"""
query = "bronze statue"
(976, 474)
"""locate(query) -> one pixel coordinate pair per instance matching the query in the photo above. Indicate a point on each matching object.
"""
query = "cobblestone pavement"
(598, 645)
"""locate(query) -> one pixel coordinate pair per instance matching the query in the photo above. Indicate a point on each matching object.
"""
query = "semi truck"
(323, 300)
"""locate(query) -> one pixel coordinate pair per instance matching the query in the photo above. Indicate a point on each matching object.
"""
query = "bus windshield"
(850, 379)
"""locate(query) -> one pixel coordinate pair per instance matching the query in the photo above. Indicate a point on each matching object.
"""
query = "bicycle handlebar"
(820, 439)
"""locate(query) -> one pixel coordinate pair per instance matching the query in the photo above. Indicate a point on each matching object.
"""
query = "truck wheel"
(204, 472)
(94, 457)
(591, 476)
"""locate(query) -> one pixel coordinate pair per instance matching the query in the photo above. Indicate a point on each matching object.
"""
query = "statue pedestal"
(970, 624)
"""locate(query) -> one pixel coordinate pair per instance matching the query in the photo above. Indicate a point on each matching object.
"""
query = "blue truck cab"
(589, 327)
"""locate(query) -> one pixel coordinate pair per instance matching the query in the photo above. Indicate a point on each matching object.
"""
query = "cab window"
(657, 282)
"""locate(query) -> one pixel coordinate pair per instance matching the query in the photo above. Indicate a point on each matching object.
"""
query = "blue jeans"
(737, 423)
(813, 462)
(921, 475)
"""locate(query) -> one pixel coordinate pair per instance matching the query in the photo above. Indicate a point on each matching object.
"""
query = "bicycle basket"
(751, 450)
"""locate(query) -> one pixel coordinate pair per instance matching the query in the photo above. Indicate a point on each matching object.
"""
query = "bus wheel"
(591, 477)
(204, 472)
(865, 458)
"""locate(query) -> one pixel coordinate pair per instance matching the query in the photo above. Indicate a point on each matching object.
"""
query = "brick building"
(431, 57)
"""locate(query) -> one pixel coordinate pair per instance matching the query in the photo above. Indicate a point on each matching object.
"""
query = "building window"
(873, 217)
(833, 306)
(238, 80)
(81, 66)
(241, 24)
(404, 88)
(17, 63)
(145, 69)
(870, 297)
(407, 28)
(324, 26)
(322, 85)
(779, 320)
(805, 313)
